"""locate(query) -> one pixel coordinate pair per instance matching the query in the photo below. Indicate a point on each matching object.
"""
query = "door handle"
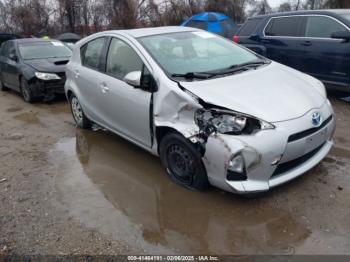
(306, 43)
(76, 73)
(104, 88)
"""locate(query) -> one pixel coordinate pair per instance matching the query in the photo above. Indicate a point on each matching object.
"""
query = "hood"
(50, 65)
(272, 93)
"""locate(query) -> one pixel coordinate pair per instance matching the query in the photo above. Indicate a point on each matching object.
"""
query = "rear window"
(228, 28)
(283, 26)
(197, 24)
(249, 27)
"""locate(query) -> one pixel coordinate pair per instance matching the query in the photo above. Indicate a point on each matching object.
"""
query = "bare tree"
(285, 7)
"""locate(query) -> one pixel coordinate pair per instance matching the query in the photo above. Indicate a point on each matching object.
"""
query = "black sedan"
(34, 67)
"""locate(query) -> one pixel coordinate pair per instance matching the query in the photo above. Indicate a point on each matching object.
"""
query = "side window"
(322, 27)
(11, 50)
(4, 49)
(91, 53)
(283, 26)
(249, 27)
(122, 59)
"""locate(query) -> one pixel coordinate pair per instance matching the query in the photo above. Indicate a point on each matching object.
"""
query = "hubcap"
(180, 163)
(77, 110)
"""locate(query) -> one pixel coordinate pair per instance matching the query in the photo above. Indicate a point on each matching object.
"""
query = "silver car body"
(275, 93)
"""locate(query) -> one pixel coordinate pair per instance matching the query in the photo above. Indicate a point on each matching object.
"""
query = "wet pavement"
(111, 187)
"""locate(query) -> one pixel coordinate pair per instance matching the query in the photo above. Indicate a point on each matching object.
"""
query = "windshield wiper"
(194, 75)
(249, 64)
(239, 67)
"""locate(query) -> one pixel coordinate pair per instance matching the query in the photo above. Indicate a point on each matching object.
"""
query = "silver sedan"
(216, 113)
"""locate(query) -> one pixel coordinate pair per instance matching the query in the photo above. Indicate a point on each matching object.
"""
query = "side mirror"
(254, 37)
(133, 78)
(344, 35)
(13, 57)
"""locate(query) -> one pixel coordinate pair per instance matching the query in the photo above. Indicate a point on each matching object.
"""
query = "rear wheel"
(78, 114)
(26, 91)
(183, 162)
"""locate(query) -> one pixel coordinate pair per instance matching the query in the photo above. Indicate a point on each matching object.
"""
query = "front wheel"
(183, 162)
(26, 91)
(77, 111)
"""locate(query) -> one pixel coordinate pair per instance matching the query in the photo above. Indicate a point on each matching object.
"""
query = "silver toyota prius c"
(214, 112)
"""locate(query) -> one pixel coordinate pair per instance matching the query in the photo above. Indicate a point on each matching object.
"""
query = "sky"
(275, 3)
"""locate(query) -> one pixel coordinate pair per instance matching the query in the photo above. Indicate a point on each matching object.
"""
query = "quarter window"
(322, 27)
(122, 59)
(283, 26)
(91, 53)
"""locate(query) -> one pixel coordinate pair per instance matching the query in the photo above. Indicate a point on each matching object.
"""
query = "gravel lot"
(70, 191)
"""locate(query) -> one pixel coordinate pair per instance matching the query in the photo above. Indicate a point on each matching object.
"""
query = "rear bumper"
(261, 150)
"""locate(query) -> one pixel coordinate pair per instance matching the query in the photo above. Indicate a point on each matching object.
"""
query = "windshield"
(181, 53)
(42, 50)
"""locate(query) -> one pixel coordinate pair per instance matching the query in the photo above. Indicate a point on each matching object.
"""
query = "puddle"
(116, 188)
(28, 117)
(14, 109)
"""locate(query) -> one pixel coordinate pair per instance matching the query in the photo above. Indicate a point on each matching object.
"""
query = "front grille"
(56, 84)
(287, 166)
(310, 131)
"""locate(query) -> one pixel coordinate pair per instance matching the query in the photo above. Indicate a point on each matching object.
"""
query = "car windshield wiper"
(249, 64)
(194, 75)
(240, 67)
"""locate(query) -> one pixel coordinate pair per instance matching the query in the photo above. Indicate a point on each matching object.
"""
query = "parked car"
(215, 113)
(213, 22)
(314, 42)
(34, 67)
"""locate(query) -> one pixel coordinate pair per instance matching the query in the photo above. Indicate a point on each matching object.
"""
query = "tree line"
(51, 17)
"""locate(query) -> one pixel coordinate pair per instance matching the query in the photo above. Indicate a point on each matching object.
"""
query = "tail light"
(235, 38)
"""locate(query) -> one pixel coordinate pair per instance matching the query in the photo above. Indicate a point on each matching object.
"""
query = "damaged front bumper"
(48, 89)
(272, 157)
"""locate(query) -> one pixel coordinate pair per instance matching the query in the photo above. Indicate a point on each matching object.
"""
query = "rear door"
(281, 37)
(322, 56)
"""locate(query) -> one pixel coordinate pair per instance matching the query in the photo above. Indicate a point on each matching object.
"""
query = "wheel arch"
(162, 131)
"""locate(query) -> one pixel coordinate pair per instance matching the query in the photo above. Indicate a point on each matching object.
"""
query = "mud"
(72, 191)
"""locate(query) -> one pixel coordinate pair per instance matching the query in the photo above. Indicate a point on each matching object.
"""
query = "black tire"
(2, 86)
(78, 114)
(182, 162)
(26, 91)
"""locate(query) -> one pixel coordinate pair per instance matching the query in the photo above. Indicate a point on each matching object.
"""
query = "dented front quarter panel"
(175, 109)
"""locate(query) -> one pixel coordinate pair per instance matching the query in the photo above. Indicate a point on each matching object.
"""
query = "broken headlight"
(229, 123)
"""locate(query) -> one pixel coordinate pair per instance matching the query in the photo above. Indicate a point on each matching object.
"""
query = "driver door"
(126, 109)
